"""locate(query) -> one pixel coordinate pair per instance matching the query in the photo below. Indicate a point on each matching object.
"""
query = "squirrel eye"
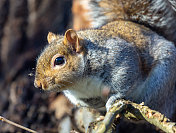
(59, 61)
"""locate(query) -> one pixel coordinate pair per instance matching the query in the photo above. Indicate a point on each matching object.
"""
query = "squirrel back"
(158, 15)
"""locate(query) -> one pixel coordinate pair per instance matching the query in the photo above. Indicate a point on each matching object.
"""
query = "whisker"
(62, 84)
(68, 81)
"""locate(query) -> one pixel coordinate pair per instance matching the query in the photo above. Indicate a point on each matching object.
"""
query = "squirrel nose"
(37, 84)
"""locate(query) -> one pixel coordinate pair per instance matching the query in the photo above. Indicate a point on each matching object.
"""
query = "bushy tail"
(159, 15)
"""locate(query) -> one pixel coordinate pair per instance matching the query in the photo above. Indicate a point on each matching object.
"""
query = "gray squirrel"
(120, 59)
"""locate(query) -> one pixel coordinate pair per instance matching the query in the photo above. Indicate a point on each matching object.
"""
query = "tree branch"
(130, 110)
(15, 124)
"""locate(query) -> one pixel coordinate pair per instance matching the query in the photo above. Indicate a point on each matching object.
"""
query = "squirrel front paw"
(111, 101)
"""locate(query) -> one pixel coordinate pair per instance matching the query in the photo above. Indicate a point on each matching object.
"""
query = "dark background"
(24, 25)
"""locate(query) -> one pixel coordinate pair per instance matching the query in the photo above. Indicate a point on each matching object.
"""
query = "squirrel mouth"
(46, 86)
(53, 88)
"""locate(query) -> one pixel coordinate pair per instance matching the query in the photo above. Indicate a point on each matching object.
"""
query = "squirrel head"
(61, 62)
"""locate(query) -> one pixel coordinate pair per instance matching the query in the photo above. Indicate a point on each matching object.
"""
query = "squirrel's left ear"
(71, 38)
(51, 37)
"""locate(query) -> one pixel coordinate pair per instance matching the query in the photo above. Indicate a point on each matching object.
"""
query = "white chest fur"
(87, 92)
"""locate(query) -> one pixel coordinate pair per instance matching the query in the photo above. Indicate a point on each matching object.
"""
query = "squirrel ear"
(51, 36)
(71, 38)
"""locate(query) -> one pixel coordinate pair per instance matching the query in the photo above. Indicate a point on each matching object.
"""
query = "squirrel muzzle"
(40, 85)
(37, 84)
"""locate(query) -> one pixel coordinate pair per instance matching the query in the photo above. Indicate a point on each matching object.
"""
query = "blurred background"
(24, 25)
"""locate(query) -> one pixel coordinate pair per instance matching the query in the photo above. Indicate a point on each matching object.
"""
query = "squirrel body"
(121, 59)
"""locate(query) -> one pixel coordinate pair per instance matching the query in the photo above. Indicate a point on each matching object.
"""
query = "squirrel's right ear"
(72, 39)
(51, 37)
